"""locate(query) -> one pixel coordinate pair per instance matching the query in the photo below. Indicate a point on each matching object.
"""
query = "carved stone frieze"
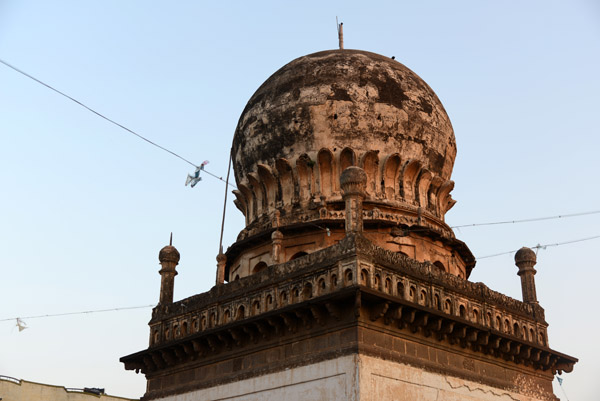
(346, 279)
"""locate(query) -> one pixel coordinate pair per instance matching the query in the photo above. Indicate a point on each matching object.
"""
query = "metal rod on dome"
(340, 29)
(225, 203)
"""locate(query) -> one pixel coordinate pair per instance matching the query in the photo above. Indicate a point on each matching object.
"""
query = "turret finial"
(169, 258)
(525, 259)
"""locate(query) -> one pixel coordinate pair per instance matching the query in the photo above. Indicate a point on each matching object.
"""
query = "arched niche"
(370, 164)
(391, 172)
(326, 169)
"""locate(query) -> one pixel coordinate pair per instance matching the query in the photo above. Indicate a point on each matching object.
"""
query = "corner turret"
(525, 259)
(169, 258)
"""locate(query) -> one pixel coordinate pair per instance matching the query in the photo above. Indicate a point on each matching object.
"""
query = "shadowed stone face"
(344, 99)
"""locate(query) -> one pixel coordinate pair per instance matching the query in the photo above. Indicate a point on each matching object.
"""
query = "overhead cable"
(106, 118)
(77, 313)
(538, 247)
(561, 216)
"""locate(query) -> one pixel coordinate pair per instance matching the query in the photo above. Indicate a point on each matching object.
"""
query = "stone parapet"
(350, 285)
(315, 274)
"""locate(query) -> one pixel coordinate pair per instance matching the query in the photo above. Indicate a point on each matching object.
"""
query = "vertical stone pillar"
(525, 259)
(169, 259)
(276, 253)
(277, 238)
(353, 182)
(221, 262)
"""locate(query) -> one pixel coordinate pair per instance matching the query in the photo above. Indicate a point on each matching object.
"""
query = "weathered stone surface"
(352, 298)
(346, 283)
(321, 114)
(525, 259)
(366, 378)
(169, 258)
(344, 99)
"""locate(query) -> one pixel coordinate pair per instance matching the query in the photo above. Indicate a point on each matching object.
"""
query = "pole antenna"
(340, 31)
(225, 202)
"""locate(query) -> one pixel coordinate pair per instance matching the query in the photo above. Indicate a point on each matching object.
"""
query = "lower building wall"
(384, 380)
(330, 380)
(357, 378)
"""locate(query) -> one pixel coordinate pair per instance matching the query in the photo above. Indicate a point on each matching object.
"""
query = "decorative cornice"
(423, 224)
(375, 211)
(304, 183)
(320, 288)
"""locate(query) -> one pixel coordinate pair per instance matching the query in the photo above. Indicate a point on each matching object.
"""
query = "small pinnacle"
(341, 35)
(171, 240)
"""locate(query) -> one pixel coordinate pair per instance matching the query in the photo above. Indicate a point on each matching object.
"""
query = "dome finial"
(340, 30)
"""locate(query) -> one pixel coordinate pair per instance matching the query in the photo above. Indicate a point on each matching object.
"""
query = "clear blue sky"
(86, 207)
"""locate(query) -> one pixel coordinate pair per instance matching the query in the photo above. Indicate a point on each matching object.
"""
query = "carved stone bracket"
(489, 322)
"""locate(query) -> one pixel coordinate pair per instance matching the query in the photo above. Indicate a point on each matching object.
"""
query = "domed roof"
(525, 255)
(344, 98)
(345, 123)
(169, 254)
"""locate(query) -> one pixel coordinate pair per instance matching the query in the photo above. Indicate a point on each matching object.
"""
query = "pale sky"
(86, 206)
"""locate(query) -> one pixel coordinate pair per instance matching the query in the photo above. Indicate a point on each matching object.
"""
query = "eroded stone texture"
(352, 298)
(344, 99)
(169, 258)
(525, 259)
(346, 283)
(317, 116)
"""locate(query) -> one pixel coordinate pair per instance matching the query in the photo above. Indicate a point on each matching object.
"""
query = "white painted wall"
(329, 380)
(353, 378)
(384, 380)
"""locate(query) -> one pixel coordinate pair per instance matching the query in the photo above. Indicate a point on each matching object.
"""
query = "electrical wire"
(562, 216)
(107, 118)
(77, 313)
(560, 382)
(225, 203)
(538, 247)
(221, 179)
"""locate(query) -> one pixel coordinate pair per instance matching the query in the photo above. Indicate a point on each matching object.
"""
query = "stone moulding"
(370, 217)
(403, 184)
(376, 210)
(352, 278)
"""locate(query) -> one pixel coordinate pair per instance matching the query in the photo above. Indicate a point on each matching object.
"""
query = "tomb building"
(346, 283)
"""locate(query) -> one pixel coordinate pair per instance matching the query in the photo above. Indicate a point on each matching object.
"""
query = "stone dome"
(344, 98)
(326, 111)
(526, 255)
(313, 119)
(168, 254)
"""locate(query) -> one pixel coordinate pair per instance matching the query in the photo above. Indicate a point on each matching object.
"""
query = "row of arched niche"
(385, 281)
(287, 184)
(260, 266)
